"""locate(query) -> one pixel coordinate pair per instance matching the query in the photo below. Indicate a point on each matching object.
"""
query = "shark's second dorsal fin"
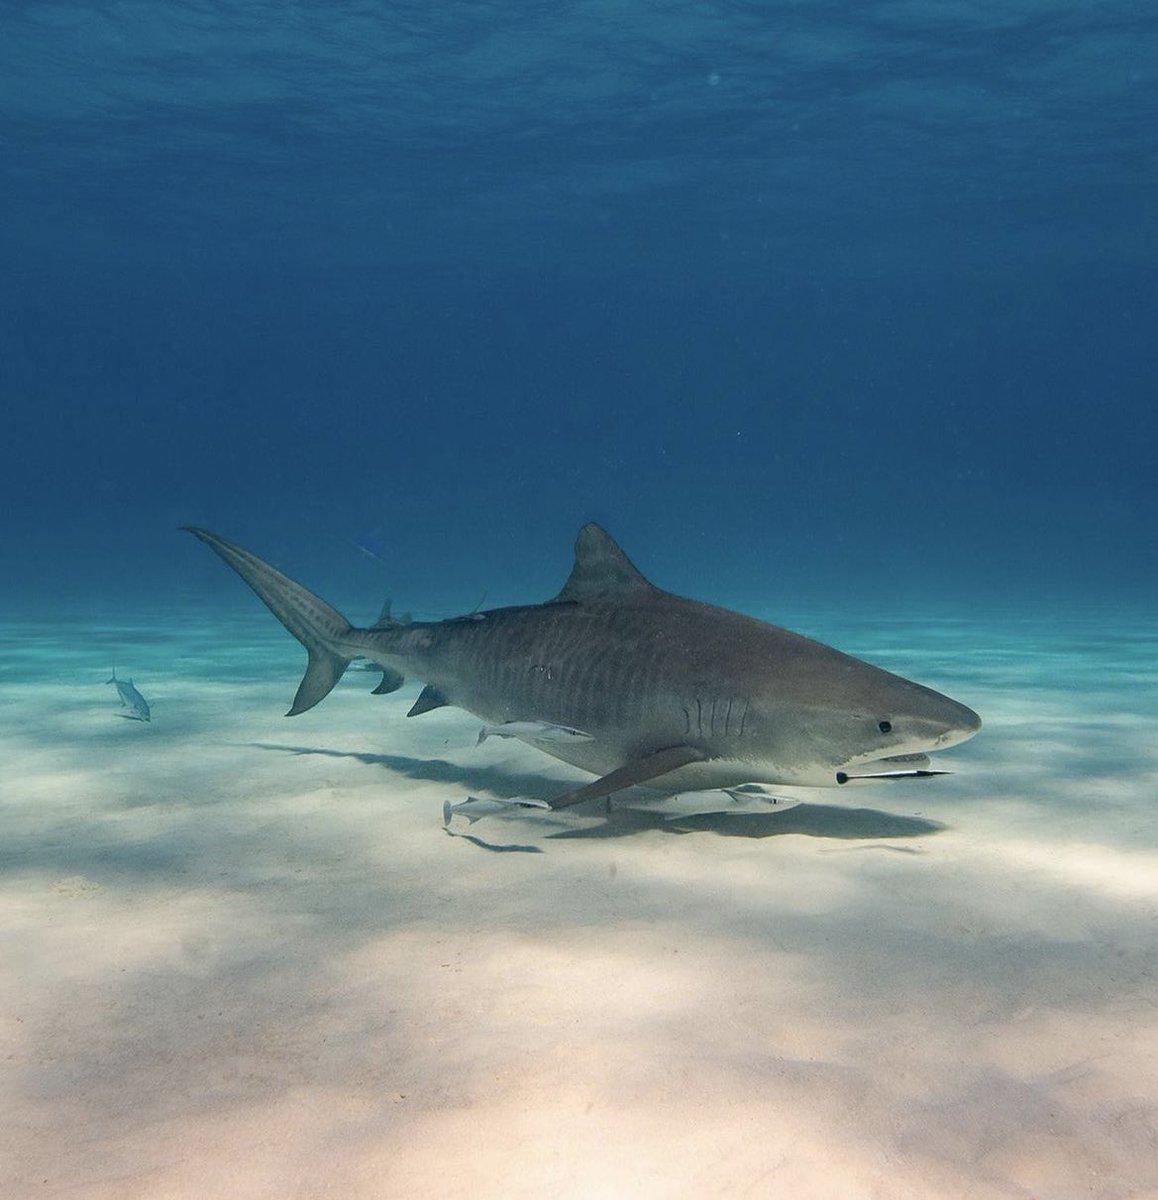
(601, 571)
(385, 618)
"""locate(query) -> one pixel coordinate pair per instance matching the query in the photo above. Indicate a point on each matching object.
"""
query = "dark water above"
(800, 300)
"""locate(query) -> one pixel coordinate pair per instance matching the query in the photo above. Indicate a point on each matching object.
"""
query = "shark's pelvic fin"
(429, 698)
(601, 571)
(638, 770)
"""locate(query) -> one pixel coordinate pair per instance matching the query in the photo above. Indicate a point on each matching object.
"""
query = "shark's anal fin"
(430, 697)
(391, 681)
(639, 770)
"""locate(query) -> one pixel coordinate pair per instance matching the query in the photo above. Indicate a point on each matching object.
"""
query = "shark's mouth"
(900, 766)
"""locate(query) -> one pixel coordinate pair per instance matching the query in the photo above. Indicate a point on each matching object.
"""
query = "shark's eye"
(885, 726)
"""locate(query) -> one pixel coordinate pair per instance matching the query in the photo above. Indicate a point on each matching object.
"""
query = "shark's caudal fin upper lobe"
(323, 630)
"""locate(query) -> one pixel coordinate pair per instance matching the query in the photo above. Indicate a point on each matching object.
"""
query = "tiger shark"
(633, 684)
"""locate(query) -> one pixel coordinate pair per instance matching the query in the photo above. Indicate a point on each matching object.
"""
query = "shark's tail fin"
(113, 679)
(324, 632)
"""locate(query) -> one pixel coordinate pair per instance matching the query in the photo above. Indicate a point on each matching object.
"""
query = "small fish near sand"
(131, 699)
(474, 808)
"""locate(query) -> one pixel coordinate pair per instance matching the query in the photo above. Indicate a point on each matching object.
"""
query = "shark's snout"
(961, 723)
(922, 724)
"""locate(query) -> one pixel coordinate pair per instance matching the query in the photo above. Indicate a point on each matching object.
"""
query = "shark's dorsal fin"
(385, 618)
(601, 571)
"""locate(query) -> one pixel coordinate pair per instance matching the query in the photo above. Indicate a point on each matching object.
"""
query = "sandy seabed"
(241, 957)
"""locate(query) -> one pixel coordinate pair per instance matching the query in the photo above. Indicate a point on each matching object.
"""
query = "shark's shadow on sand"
(499, 780)
(808, 820)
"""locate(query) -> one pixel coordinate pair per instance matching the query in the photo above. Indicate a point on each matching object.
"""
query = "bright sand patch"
(241, 957)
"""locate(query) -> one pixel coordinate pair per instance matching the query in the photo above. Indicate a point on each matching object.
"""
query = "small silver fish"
(474, 808)
(130, 699)
(533, 731)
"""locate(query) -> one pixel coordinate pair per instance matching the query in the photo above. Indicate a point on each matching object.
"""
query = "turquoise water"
(235, 938)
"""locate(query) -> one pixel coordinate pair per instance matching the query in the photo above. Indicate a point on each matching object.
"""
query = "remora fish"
(674, 694)
(535, 732)
(130, 699)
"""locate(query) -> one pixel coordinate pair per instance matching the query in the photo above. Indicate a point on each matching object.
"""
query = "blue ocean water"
(796, 299)
(842, 315)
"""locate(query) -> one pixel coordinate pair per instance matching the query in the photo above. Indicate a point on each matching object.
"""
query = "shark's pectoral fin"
(391, 681)
(638, 770)
(430, 697)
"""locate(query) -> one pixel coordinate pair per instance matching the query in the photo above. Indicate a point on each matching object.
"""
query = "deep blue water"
(853, 301)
